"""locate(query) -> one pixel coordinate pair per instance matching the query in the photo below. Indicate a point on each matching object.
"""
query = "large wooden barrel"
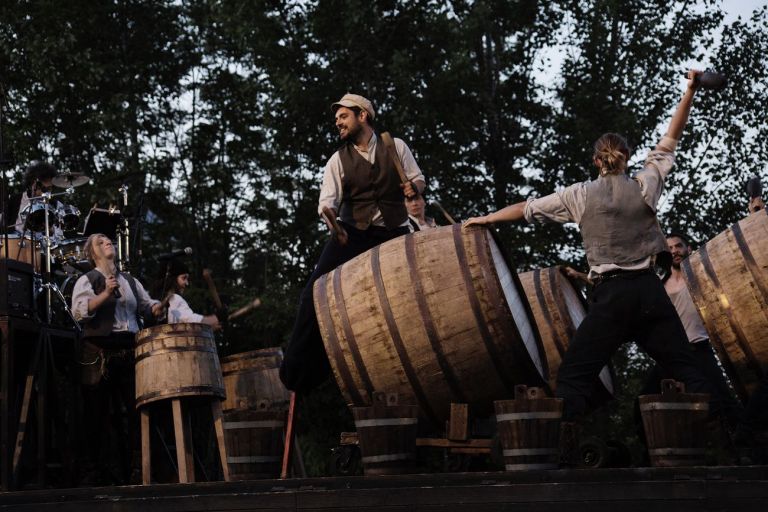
(529, 430)
(176, 360)
(252, 381)
(728, 280)
(675, 425)
(558, 309)
(436, 316)
(254, 441)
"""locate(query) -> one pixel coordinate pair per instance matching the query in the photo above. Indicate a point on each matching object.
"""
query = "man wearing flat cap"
(363, 192)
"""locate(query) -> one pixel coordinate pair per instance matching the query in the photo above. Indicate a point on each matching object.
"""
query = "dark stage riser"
(643, 490)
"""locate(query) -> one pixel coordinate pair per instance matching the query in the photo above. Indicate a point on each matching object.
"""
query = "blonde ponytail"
(611, 154)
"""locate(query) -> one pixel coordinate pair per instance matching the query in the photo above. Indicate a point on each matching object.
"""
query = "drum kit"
(55, 247)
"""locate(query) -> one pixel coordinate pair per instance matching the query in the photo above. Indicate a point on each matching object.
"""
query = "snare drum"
(22, 249)
(70, 253)
(33, 216)
(69, 216)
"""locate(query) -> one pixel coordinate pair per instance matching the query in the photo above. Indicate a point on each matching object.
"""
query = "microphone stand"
(4, 162)
(123, 237)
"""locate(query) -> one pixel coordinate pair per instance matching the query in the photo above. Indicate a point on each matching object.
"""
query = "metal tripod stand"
(50, 287)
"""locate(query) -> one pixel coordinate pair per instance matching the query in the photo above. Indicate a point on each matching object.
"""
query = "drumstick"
(245, 309)
(338, 232)
(389, 143)
(212, 288)
(445, 213)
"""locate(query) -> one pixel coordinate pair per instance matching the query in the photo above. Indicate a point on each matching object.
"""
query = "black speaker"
(17, 297)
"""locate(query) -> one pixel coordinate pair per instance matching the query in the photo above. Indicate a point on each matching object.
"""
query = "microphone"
(116, 291)
(178, 252)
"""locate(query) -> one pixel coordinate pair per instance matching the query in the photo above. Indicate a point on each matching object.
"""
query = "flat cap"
(350, 100)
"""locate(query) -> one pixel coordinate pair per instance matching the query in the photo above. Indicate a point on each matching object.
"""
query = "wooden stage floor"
(624, 490)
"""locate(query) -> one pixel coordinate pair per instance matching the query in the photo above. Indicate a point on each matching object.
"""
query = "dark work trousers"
(707, 363)
(305, 364)
(631, 306)
(111, 423)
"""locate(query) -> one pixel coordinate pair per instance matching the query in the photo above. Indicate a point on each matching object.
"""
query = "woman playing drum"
(173, 283)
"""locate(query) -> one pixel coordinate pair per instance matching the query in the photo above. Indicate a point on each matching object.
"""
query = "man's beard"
(678, 264)
(352, 134)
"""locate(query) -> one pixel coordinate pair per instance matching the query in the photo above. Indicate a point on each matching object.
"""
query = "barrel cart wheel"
(596, 453)
(346, 460)
(456, 462)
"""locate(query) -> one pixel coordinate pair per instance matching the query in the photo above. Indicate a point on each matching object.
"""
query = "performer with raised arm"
(616, 214)
(361, 201)
(109, 304)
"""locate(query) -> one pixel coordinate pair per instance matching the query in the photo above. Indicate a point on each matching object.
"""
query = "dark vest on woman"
(618, 226)
(370, 186)
(101, 323)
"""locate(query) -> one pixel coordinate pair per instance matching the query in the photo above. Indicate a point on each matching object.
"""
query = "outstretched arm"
(680, 117)
(511, 213)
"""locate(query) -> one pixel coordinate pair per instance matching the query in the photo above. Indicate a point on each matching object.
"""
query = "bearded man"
(364, 195)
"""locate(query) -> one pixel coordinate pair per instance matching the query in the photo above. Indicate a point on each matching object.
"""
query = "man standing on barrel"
(616, 214)
(361, 201)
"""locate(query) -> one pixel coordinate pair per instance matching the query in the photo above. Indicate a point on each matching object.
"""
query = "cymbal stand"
(123, 236)
(48, 284)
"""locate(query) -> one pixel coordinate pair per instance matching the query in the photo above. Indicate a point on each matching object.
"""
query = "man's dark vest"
(102, 321)
(618, 226)
(368, 187)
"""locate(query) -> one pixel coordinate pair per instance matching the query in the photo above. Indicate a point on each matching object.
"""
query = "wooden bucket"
(558, 309)
(252, 381)
(254, 441)
(728, 280)
(529, 429)
(675, 425)
(435, 316)
(176, 360)
(387, 434)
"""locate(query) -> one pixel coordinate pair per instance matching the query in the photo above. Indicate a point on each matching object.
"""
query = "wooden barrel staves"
(252, 381)
(176, 360)
(529, 429)
(254, 441)
(436, 316)
(558, 309)
(387, 434)
(255, 412)
(675, 425)
(728, 280)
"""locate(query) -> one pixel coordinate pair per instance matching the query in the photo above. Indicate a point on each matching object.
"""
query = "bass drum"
(59, 316)
(22, 248)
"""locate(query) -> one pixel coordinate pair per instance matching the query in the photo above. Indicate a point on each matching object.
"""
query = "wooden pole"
(212, 288)
(289, 437)
(389, 143)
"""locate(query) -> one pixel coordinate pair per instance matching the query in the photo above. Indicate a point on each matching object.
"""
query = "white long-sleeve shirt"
(179, 311)
(125, 308)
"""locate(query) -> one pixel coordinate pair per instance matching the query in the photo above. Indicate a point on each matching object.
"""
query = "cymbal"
(70, 179)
